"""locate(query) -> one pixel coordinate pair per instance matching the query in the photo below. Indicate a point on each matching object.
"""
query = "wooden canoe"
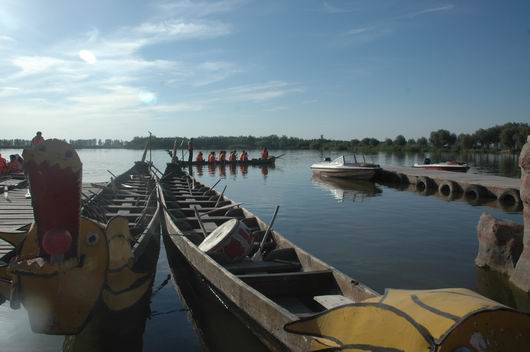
(265, 294)
(250, 162)
(293, 301)
(115, 253)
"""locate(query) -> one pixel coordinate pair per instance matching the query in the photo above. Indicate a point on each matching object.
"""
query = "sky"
(344, 69)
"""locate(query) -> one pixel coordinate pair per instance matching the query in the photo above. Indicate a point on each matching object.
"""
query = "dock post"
(521, 275)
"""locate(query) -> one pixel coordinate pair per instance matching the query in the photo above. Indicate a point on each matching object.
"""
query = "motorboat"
(444, 166)
(341, 168)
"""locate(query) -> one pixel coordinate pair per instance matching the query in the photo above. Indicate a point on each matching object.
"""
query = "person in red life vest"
(232, 157)
(211, 157)
(222, 156)
(3, 165)
(243, 156)
(264, 153)
(38, 139)
(200, 158)
(15, 165)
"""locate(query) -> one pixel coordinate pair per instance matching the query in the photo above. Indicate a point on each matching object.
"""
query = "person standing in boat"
(200, 157)
(243, 156)
(232, 157)
(211, 157)
(222, 156)
(190, 150)
(38, 139)
(264, 153)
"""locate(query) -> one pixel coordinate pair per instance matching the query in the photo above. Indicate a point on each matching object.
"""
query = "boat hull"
(261, 312)
(443, 168)
(359, 174)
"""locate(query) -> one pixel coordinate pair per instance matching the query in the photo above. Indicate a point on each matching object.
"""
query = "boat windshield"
(340, 160)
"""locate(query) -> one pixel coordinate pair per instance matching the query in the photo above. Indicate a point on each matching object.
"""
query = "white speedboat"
(444, 166)
(340, 168)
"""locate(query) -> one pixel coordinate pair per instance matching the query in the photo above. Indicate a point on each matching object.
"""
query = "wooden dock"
(16, 212)
(473, 186)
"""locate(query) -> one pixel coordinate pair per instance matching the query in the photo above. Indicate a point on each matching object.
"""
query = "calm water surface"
(380, 235)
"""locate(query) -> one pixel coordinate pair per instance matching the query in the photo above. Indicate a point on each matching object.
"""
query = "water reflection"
(113, 331)
(340, 189)
(217, 327)
(497, 287)
(233, 169)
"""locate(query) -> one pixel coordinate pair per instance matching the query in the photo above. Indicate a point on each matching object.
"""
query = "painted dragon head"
(66, 264)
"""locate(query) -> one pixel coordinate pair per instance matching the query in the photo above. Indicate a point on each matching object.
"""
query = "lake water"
(382, 236)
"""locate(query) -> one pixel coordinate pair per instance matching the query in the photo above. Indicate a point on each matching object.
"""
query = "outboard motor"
(327, 159)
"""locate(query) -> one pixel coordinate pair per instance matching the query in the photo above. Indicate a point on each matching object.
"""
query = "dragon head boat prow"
(60, 266)
(67, 265)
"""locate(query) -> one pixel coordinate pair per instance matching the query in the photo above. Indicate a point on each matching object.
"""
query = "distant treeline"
(510, 137)
(507, 137)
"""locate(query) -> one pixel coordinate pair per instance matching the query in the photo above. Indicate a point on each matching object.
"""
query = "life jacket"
(211, 158)
(37, 140)
(243, 157)
(232, 157)
(199, 157)
(222, 157)
(14, 166)
(3, 165)
(265, 153)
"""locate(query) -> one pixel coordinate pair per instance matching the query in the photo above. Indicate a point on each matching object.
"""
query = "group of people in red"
(232, 157)
(15, 163)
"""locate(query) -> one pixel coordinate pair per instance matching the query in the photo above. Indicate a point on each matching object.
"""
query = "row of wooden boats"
(290, 300)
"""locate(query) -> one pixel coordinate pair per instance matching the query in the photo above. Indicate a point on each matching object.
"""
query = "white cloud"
(329, 8)
(5, 38)
(179, 29)
(36, 64)
(87, 56)
(9, 91)
(430, 10)
(197, 9)
(104, 75)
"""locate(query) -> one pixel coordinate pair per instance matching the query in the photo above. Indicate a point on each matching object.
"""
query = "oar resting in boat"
(294, 301)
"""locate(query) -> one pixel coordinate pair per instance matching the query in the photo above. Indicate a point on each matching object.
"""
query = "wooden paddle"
(279, 156)
(258, 255)
(221, 196)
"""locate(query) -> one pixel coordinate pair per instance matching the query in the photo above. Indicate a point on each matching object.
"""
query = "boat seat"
(299, 284)
(249, 266)
(332, 301)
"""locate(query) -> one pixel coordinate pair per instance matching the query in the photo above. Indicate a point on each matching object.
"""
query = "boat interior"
(287, 275)
(131, 195)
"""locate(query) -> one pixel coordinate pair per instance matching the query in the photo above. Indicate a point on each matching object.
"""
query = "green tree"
(400, 140)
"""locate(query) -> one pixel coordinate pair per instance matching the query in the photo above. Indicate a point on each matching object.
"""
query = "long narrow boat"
(269, 161)
(264, 294)
(85, 254)
(292, 301)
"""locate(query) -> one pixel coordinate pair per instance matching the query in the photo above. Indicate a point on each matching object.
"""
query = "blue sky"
(345, 69)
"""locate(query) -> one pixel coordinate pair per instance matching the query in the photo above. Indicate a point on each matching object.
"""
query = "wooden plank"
(332, 301)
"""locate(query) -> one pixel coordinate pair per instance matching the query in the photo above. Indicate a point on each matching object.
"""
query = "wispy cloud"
(105, 75)
(330, 8)
(443, 8)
